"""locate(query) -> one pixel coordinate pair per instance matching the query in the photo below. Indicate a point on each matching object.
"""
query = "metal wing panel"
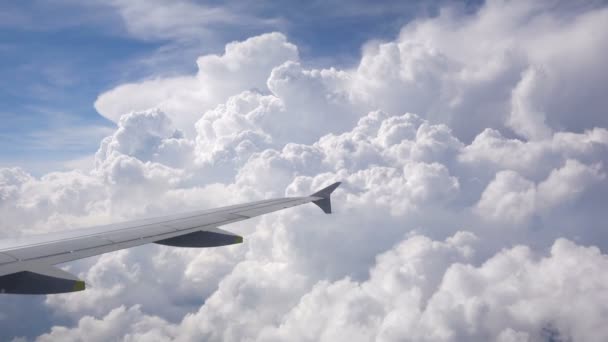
(136, 241)
(56, 248)
(20, 256)
(201, 221)
(136, 233)
(8, 244)
(85, 253)
(288, 203)
(5, 259)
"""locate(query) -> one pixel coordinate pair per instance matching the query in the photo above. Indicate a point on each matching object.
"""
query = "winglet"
(325, 200)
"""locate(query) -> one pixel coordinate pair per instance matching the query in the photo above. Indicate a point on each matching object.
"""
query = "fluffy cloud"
(512, 198)
(243, 66)
(424, 290)
(147, 136)
(32, 205)
(120, 323)
(517, 76)
(463, 164)
(419, 290)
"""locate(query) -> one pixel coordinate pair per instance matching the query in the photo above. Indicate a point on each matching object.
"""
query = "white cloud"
(420, 290)
(182, 20)
(525, 118)
(508, 197)
(512, 198)
(444, 218)
(516, 75)
(243, 66)
(120, 323)
(147, 136)
(480, 70)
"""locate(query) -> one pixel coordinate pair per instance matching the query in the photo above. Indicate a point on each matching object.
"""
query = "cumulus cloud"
(510, 197)
(516, 77)
(419, 290)
(424, 290)
(120, 323)
(243, 66)
(474, 176)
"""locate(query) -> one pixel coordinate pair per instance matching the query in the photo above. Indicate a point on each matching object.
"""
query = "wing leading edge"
(27, 265)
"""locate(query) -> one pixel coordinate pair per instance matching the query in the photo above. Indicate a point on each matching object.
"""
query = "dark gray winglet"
(325, 202)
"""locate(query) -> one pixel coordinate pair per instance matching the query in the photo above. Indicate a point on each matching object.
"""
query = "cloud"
(243, 66)
(512, 198)
(514, 293)
(120, 323)
(419, 290)
(434, 69)
(471, 196)
(393, 187)
(516, 77)
(182, 20)
(490, 149)
(147, 136)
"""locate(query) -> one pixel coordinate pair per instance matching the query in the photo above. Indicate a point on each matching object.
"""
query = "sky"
(58, 57)
(471, 139)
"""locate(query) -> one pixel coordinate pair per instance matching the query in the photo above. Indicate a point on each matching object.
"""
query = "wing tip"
(325, 197)
(326, 191)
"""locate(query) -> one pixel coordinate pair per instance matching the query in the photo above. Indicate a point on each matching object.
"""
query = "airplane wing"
(27, 264)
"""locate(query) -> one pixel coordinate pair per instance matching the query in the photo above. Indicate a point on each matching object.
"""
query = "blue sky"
(472, 147)
(56, 59)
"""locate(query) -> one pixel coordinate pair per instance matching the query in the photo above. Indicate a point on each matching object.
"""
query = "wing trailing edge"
(26, 263)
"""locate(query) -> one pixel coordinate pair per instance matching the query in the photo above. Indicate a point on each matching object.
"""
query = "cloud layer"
(472, 150)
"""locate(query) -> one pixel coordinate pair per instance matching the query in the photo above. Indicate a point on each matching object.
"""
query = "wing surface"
(30, 260)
